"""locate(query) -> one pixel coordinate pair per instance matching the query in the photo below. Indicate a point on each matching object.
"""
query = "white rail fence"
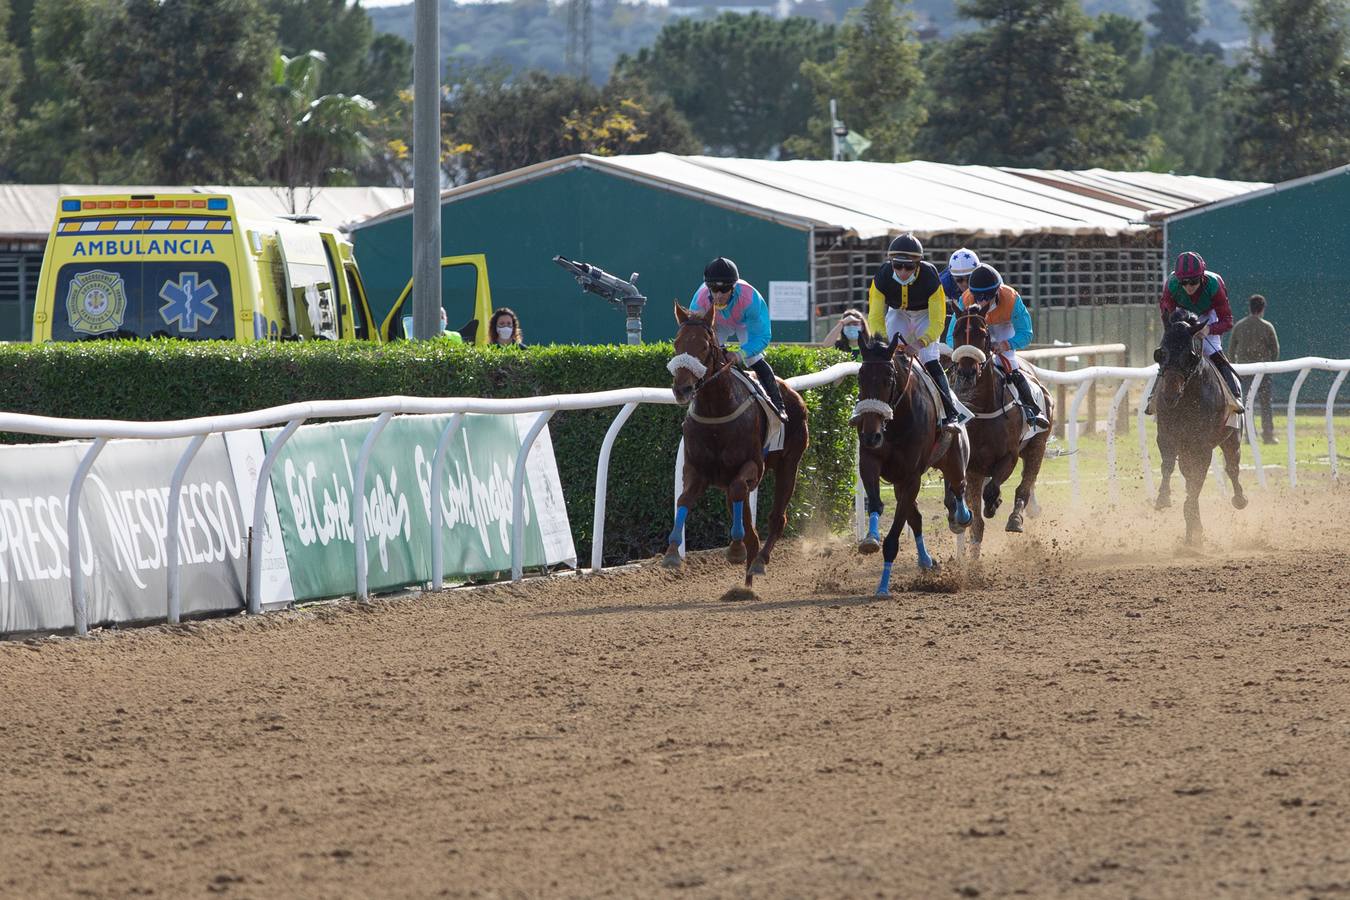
(384, 408)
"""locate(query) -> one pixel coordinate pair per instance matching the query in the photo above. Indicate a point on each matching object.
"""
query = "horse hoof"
(1239, 501)
(869, 545)
(736, 553)
(1014, 524)
(757, 568)
(672, 561)
(1162, 503)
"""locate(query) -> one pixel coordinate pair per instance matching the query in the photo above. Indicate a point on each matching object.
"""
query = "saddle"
(773, 437)
(1029, 431)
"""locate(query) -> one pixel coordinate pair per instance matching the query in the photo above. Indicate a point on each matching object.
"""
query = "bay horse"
(996, 429)
(899, 440)
(1192, 416)
(724, 434)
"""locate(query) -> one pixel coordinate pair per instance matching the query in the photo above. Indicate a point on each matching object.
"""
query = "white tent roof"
(27, 210)
(868, 199)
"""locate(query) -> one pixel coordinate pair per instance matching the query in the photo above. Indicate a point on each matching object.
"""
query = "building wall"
(1293, 246)
(20, 263)
(598, 218)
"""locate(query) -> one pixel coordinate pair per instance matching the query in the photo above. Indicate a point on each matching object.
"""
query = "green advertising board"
(312, 482)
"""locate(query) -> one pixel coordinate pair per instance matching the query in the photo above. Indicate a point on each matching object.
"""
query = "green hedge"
(158, 380)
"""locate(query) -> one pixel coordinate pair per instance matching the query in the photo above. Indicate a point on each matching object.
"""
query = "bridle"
(702, 370)
(1188, 373)
(896, 387)
(969, 317)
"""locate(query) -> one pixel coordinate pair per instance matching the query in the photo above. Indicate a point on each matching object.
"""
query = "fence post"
(602, 487)
(1115, 424)
(437, 514)
(359, 506)
(1092, 399)
(518, 495)
(78, 606)
(1083, 387)
(1141, 420)
(255, 534)
(1331, 428)
(1250, 428)
(1060, 394)
(1289, 412)
(175, 601)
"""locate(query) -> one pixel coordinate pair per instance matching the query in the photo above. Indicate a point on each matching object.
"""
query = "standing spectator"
(1254, 340)
(504, 328)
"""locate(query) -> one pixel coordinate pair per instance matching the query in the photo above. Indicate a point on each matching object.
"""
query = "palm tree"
(322, 137)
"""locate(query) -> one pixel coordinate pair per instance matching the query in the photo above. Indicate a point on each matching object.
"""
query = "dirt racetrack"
(1099, 717)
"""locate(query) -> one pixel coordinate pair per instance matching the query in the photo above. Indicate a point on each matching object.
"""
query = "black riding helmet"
(721, 271)
(985, 280)
(906, 246)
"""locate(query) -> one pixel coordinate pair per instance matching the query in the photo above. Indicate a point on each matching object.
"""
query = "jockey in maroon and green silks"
(1194, 288)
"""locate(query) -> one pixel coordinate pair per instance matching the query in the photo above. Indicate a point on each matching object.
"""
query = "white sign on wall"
(790, 301)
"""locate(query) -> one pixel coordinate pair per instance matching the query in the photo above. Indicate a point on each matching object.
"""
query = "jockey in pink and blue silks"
(742, 315)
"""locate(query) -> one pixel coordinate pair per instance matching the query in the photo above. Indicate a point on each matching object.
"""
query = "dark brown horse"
(1192, 420)
(996, 431)
(899, 440)
(724, 433)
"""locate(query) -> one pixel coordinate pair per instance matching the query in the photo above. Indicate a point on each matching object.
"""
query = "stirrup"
(1035, 417)
(950, 423)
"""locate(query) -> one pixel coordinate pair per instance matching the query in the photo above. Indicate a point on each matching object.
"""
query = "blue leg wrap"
(677, 533)
(874, 526)
(737, 522)
(963, 513)
(925, 561)
(885, 586)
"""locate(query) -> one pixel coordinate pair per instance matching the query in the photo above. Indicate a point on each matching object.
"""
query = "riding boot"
(949, 417)
(1023, 388)
(769, 382)
(1229, 374)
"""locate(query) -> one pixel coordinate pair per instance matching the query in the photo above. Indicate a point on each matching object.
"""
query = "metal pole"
(834, 134)
(1331, 430)
(437, 515)
(1289, 413)
(602, 487)
(359, 506)
(255, 533)
(175, 610)
(1072, 425)
(1251, 429)
(1141, 421)
(73, 532)
(427, 171)
(518, 495)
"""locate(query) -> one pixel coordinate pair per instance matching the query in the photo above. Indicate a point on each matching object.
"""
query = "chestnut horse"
(899, 440)
(1192, 420)
(724, 433)
(996, 431)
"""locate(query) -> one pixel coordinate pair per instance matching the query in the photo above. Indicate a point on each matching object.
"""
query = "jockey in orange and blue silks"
(1010, 330)
(743, 316)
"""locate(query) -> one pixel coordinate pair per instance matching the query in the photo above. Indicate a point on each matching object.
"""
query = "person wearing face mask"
(741, 315)
(845, 333)
(1196, 289)
(906, 298)
(504, 328)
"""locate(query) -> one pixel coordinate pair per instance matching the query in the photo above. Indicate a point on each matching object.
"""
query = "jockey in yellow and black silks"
(906, 298)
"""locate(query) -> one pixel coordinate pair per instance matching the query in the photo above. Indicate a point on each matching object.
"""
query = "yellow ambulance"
(188, 266)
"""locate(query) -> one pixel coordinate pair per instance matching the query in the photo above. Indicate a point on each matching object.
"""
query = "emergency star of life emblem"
(188, 303)
(97, 302)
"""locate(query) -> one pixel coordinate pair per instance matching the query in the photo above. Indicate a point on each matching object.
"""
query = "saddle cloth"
(773, 439)
(963, 413)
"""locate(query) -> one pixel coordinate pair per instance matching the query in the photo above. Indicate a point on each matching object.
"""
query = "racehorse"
(997, 426)
(1192, 420)
(724, 434)
(899, 439)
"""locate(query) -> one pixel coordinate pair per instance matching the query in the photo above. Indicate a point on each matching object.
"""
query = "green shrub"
(161, 380)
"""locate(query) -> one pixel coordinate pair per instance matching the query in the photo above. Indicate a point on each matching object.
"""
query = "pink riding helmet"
(1190, 265)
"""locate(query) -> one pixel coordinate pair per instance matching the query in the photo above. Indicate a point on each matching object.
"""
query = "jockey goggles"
(720, 287)
(901, 265)
(1189, 282)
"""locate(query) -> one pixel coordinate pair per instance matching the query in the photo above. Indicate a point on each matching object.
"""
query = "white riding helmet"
(962, 262)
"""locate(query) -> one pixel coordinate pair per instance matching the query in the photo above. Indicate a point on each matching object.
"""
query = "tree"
(195, 114)
(321, 138)
(876, 78)
(1042, 93)
(737, 79)
(359, 61)
(1293, 115)
(1175, 23)
(10, 70)
(549, 116)
(1188, 111)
